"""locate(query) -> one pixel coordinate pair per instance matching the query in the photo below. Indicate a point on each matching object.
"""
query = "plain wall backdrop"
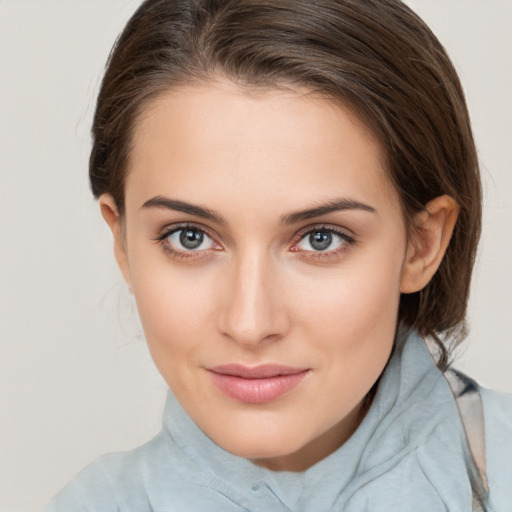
(75, 377)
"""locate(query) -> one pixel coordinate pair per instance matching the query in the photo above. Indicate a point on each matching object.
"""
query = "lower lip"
(257, 391)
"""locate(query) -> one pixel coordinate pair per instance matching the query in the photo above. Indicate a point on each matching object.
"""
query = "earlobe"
(427, 245)
(113, 219)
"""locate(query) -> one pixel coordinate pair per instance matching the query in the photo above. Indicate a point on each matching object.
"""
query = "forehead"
(278, 144)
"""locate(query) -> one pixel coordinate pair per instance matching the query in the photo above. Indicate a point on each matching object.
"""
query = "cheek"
(174, 306)
(360, 296)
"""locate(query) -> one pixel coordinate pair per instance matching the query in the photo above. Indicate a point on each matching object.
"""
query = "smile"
(258, 385)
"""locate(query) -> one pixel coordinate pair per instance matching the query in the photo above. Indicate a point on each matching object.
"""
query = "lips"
(256, 385)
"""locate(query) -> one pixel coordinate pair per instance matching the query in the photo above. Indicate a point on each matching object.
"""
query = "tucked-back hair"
(374, 56)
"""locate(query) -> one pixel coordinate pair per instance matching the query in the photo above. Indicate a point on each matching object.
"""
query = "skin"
(256, 291)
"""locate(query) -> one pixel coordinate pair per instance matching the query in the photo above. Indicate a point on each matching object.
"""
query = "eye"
(322, 240)
(187, 239)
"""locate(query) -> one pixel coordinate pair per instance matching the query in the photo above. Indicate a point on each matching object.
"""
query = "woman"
(295, 201)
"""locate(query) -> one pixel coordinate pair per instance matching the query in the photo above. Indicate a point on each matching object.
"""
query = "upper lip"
(263, 371)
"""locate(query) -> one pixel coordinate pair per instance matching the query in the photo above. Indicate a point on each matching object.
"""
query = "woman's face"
(264, 245)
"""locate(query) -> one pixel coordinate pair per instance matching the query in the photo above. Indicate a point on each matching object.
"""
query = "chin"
(265, 444)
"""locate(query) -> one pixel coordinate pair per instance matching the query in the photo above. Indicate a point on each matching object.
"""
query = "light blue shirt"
(407, 454)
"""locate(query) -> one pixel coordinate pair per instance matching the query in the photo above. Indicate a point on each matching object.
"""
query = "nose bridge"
(253, 312)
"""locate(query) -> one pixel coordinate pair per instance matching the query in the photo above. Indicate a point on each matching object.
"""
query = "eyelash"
(346, 239)
(183, 254)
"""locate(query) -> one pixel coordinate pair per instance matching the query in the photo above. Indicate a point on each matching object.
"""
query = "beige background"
(75, 378)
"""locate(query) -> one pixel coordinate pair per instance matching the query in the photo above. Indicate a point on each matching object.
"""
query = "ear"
(427, 245)
(112, 218)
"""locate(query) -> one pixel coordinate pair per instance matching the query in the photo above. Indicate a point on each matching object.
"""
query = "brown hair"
(376, 56)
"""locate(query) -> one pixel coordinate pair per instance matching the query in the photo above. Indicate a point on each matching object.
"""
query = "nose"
(253, 308)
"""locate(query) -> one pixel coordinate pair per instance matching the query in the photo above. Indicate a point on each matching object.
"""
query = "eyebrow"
(291, 218)
(323, 209)
(182, 206)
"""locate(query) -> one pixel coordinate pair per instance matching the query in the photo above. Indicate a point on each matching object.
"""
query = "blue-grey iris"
(320, 240)
(191, 238)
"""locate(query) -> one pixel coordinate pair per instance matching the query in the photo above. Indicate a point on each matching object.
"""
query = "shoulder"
(498, 441)
(118, 481)
(90, 490)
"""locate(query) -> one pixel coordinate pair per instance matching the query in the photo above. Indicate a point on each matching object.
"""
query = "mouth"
(256, 385)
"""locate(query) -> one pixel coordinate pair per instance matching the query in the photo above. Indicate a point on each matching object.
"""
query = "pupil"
(191, 239)
(320, 240)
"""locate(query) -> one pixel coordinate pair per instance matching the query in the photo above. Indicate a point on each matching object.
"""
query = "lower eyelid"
(189, 257)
